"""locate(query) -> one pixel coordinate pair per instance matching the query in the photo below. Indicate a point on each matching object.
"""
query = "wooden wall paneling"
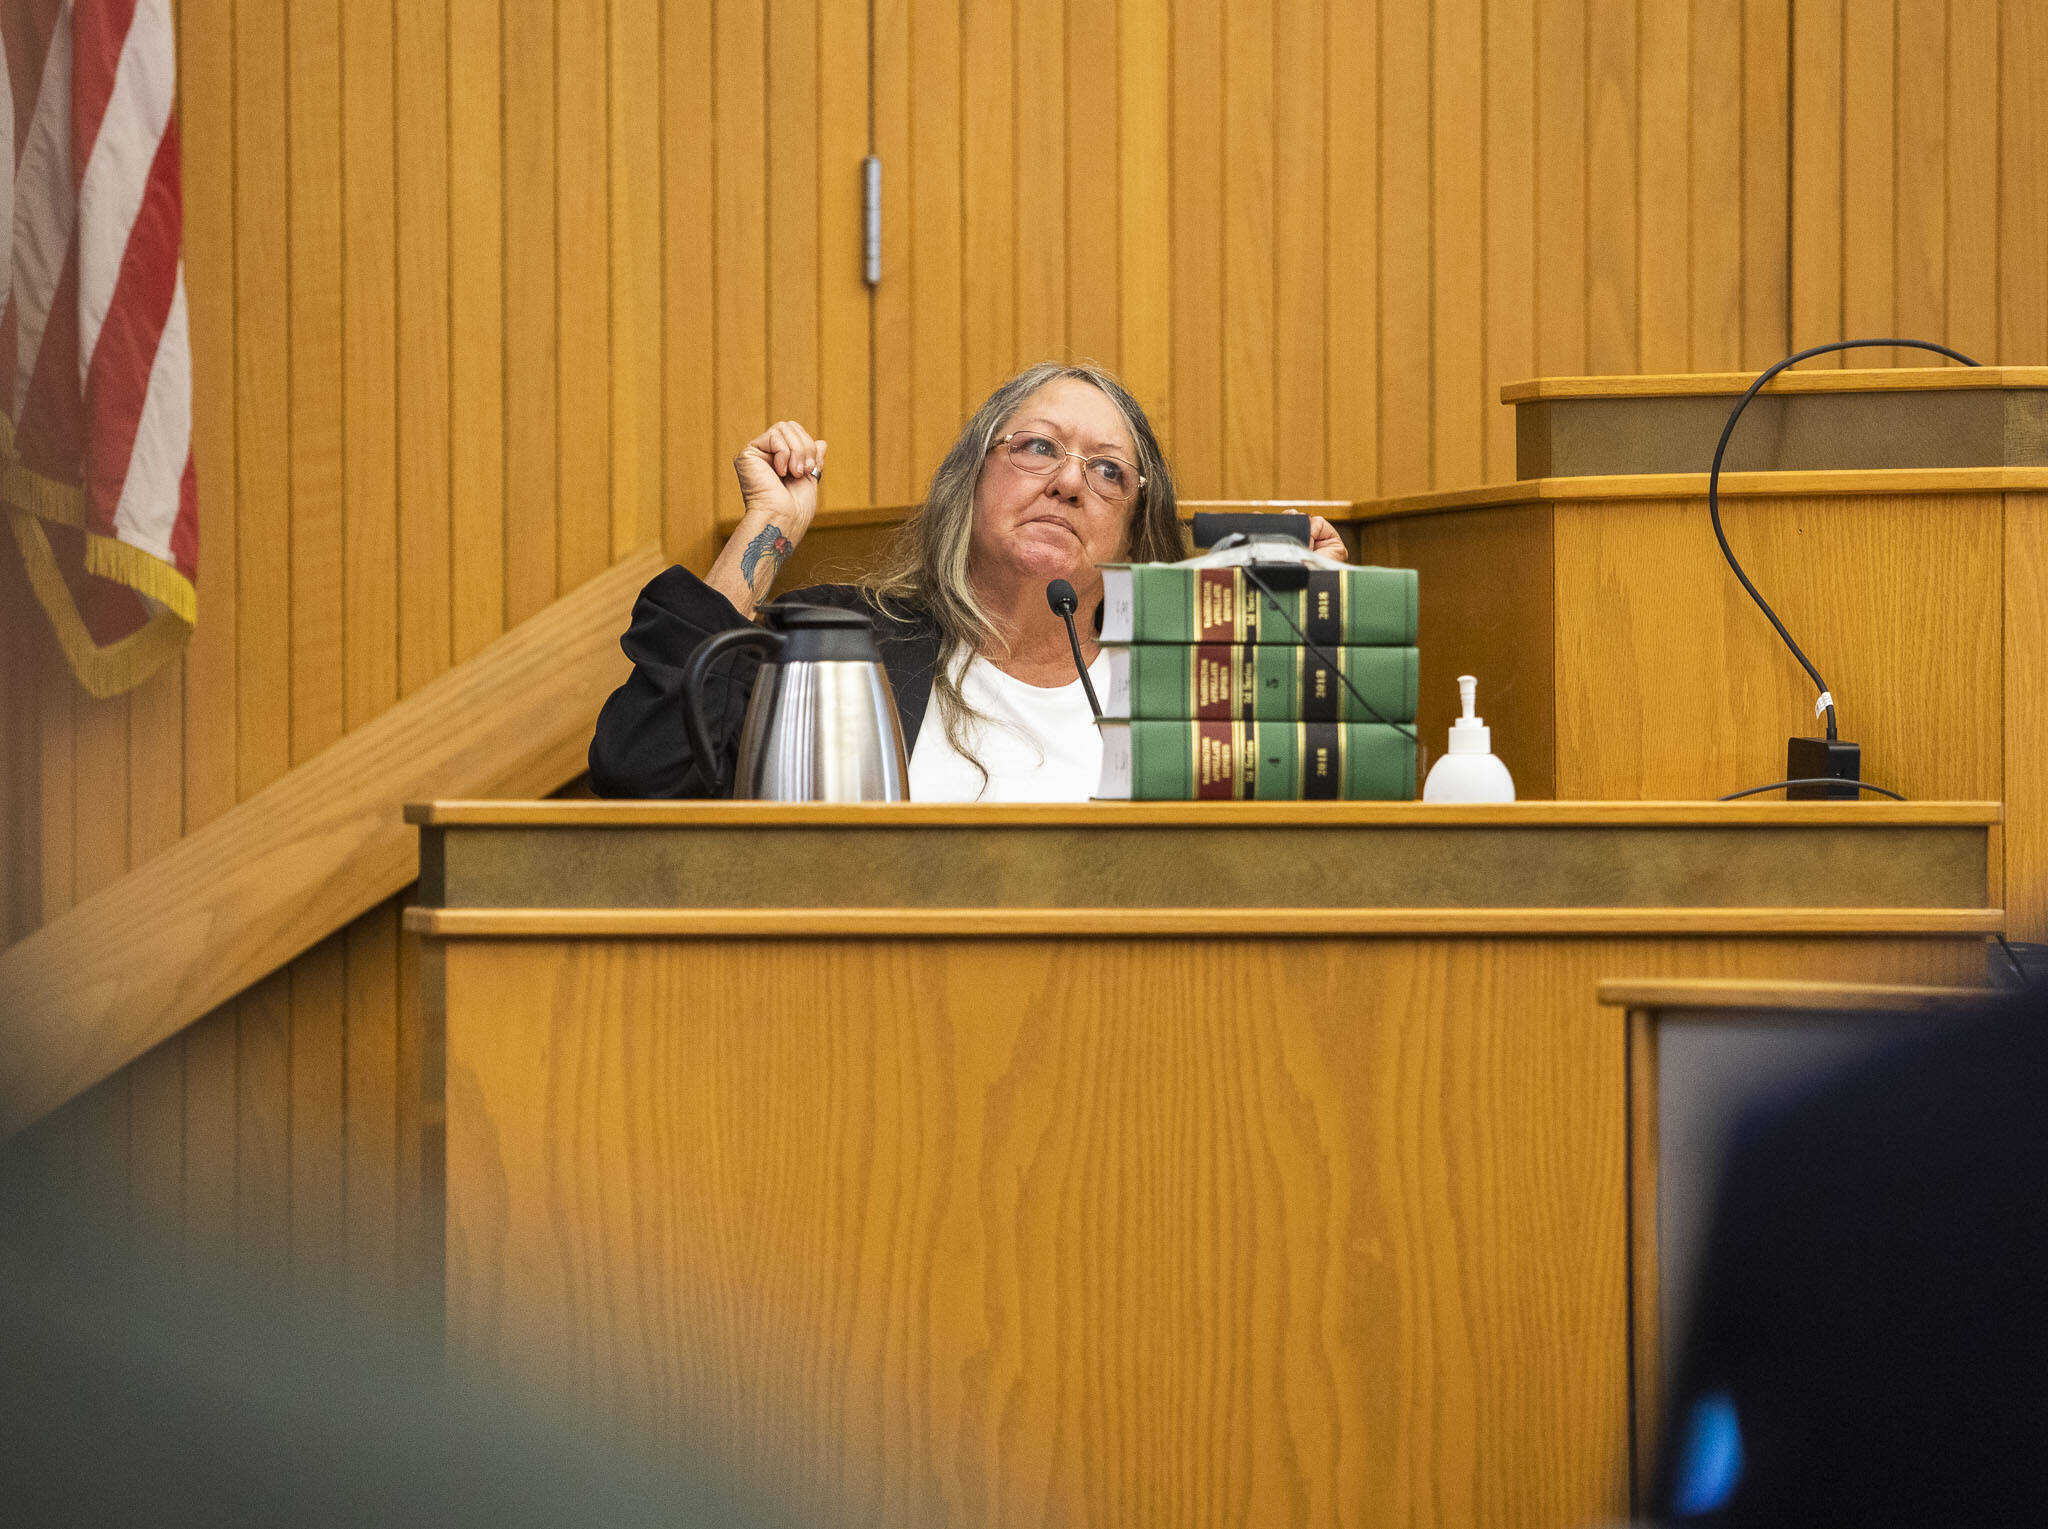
(369, 365)
(1039, 175)
(2026, 716)
(206, 125)
(370, 1085)
(1094, 191)
(56, 786)
(476, 317)
(1921, 230)
(1249, 221)
(1351, 259)
(1561, 188)
(1301, 273)
(1509, 219)
(1664, 187)
(1613, 223)
(262, 398)
(1458, 274)
(313, 94)
(1815, 268)
(421, 86)
(212, 1145)
(582, 294)
(1971, 256)
(156, 764)
(1869, 176)
(794, 208)
(263, 1146)
(1406, 363)
(1196, 436)
(530, 341)
(156, 1154)
(694, 473)
(848, 329)
(1143, 84)
(1766, 177)
(318, 1123)
(421, 1118)
(921, 390)
(1901, 625)
(1715, 299)
(989, 66)
(740, 348)
(21, 645)
(633, 171)
(2022, 184)
(99, 783)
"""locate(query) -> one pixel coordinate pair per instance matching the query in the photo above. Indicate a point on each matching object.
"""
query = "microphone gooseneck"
(1059, 594)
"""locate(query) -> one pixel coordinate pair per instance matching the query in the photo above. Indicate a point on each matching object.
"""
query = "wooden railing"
(232, 902)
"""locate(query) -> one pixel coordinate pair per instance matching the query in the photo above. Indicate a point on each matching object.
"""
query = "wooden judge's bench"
(1113, 1164)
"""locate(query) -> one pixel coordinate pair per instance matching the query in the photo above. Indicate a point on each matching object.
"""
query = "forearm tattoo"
(771, 548)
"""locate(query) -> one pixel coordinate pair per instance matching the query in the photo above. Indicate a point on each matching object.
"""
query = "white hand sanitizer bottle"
(1469, 772)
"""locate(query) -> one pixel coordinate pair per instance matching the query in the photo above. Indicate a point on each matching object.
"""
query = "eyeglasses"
(1110, 478)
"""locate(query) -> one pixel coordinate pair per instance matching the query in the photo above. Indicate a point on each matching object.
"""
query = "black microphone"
(1059, 594)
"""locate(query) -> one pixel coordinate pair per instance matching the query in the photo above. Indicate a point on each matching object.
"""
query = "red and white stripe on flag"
(95, 359)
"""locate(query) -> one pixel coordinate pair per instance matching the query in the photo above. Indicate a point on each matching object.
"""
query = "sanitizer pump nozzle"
(1469, 772)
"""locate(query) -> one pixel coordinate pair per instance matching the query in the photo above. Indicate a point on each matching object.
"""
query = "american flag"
(95, 358)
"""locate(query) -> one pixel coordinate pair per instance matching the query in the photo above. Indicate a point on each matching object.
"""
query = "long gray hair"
(924, 565)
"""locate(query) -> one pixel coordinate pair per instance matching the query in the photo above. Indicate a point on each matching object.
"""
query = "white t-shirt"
(1037, 744)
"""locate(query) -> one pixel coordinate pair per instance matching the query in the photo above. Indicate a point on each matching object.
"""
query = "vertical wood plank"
(262, 398)
(1038, 138)
(916, 135)
(1510, 214)
(1922, 169)
(21, 745)
(1458, 290)
(369, 364)
(1714, 341)
(1766, 177)
(1301, 425)
(1664, 188)
(2026, 716)
(370, 1084)
(1144, 268)
(1868, 210)
(56, 785)
(1352, 260)
(314, 93)
(1197, 115)
(1093, 194)
(476, 312)
(792, 233)
(156, 765)
(99, 781)
(691, 467)
(1816, 171)
(847, 337)
(1561, 188)
(1248, 274)
(529, 76)
(742, 236)
(317, 1125)
(206, 126)
(1971, 256)
(634, 103)
(1612, 104)
(2022, 185)
(263, 1136)
(421, 84)
(988, 168)
(211, 1146)
(582, 294)
(1406, 170)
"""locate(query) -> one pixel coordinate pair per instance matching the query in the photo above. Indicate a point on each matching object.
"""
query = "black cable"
(1334, 667)
(2019, 968)
(1714, 492)
(1812, 780)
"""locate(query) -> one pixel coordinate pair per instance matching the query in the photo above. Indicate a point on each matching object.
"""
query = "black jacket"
(642, 746)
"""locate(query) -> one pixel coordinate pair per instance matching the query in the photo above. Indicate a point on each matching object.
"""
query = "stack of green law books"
(1213, 696)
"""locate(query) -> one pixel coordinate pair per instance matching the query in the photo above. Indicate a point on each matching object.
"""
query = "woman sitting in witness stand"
(1057, 472)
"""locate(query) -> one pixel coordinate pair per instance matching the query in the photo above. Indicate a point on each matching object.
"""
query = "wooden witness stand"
(1133, 1164)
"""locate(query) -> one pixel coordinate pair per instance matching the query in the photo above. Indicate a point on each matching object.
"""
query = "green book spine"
(1363, 607)
(1184, 761)
(1243, 682)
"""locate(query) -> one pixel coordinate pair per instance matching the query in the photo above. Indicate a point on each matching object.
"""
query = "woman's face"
(1055, 525)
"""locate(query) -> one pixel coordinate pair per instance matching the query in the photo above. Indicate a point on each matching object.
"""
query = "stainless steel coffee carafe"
(821, 724)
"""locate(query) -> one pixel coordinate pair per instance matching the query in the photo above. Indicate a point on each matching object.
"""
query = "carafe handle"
(694, 721)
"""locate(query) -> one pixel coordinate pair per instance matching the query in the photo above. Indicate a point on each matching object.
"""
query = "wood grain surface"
(988, 1231)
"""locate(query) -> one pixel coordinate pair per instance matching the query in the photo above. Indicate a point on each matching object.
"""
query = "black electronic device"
(1815, 765)
(1209, 529)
